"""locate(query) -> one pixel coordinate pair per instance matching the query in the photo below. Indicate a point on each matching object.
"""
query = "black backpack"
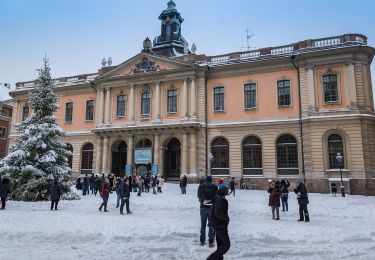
(208, 194)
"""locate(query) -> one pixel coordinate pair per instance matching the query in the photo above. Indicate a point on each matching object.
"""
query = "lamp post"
(339, 159)
(211, 158)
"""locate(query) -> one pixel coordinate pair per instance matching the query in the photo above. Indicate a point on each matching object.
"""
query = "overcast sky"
(77, 34)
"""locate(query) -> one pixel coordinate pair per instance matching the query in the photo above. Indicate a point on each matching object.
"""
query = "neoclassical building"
(272, 113)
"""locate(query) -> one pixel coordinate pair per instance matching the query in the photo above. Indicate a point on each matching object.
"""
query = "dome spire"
(171, 4)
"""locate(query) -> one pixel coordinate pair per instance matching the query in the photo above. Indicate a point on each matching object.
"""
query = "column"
(193, 98)
(101, 106)
(311, 87)
(105, 168)
(156, 150)
(184, 161)
(99, 154)
(129, 154)
(108, 106)
(157, 103)
(15, 115)
(193, 154)
(349, 82)
(132, 105)
(184, 112)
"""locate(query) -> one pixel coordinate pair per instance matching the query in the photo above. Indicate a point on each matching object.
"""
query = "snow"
(166, 226)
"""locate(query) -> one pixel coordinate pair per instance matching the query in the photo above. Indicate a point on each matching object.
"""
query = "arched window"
(287, 155)
(87, 157)
(220, 152)
(335, 145)
(252, 156)
(69, 147)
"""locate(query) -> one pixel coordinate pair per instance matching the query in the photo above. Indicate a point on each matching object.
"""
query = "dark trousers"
(123, 202)
(303, 212)
(105, 201)
(54, 204)
(232, 191)
(284, 201)
(275, 209)
(95, 191)
(223, 245)
(3, 203)
(206, 214)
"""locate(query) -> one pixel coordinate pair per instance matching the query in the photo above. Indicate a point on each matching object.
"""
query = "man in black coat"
(220, 221)
(86, 185)
(97, 184)
(124, 193)
(206, 195)
(303, 200)
(92, 183)
(55, 194)
(4, 191)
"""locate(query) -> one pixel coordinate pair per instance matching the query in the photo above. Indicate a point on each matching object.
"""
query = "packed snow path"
(166, 226)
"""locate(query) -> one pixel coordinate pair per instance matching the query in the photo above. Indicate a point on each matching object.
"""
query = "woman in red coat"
(105, 195)
(274, 199)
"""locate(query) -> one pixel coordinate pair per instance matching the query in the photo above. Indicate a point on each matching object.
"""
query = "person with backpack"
(183, 184)
(284, 185)
(4, 191)
(274, 199)
(206, 195)
(124, 192)
(55, 194)
(220, 222)
(303, 200)
(105, 195)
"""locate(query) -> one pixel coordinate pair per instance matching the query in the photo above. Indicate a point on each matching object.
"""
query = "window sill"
(332, 103)
(89, 121)
(219, 111)
(284, 107)
(250, 108)
(171, 113)
(337, 170)
(120, 117)
(68, 123)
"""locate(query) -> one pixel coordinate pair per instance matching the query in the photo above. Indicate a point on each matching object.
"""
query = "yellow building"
(275, 113)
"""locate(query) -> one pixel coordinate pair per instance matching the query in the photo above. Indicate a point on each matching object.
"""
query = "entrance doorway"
(143, 156)
(173, 159)
(119, 154)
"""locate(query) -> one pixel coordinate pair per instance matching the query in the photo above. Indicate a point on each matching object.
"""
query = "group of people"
(279, 190)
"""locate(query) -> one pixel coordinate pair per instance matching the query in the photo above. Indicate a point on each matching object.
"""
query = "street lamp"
(339, 159)
(212, 159)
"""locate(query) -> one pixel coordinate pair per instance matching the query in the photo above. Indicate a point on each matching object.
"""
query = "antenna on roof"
(248, 37)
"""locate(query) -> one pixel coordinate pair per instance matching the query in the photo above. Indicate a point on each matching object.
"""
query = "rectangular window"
(89, 110)
(25, 113)
(3, 132)
(69, 112)
(121, 105)
(146, 103)
(172, 101)
(283, 92)
(330, 88)
(250, 95)
(219, 99)
(5, 113)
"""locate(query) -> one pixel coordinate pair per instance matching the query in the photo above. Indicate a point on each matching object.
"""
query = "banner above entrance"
(142, 156)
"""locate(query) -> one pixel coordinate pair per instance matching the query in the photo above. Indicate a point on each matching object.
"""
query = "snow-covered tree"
(38, 158)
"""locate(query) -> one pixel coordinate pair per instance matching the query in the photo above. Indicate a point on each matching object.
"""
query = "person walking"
(92, 183)
(117, 189)
(274, 199)
(97, 185)
(220, 222)
(140, 186)
(232, 186)
(4, 191)
(86, 185)
(55, 194)
(124, 191)
(206, 195)
(78, 184)
(183, 184)
(284, 185)
(160, 183)
(105, 195)
(110, 180)
(154, 181)
(147, 183)
(303, 200)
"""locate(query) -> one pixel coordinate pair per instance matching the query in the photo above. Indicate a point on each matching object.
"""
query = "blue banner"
(128, 169)
(155, 169)
(142, 156)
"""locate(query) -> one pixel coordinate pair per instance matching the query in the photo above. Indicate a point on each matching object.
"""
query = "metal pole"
(342, 184)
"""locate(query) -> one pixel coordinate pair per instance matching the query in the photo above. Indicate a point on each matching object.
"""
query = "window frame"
(290, 93)
(287, 147)
(5, 132)
(256, 96)
(177, 96)
(93, 110)
(66, 112)
(125, 105)
(91, 154)
(338, 78)
(214, 98)
(343, 152)
(252, 147)
(150, 104)
(222, 170)
(23, 112)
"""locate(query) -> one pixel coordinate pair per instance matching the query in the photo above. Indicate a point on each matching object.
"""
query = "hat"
(223, 187)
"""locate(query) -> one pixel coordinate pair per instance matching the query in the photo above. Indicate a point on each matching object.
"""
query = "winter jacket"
(4, 189)
(79, 184)
(274, 199)
(232, 185)
(92, 180)
(220, 217)
(183, 182)
(206, 194)
(105, 191)
(86, 183)
(55, 192)
(301, 191)
(97, 183)
(284, 186)
(154, 181)
(160, 182)
(124, 190)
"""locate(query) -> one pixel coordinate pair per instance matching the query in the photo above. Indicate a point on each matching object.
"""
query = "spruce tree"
(39, 158)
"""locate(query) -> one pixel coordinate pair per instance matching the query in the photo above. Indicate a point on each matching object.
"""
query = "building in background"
(274, 113)
(5, 123)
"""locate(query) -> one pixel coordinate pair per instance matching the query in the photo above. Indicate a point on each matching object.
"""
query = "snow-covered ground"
(166, 226)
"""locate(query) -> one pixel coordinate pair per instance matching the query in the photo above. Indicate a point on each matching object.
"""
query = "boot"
(121, 212)
(105, 208)
(100, 208)
(307, 217)
(212, 245)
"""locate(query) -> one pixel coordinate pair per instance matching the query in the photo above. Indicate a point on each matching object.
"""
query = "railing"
(327, 42)
(220, 58)
(251, 54)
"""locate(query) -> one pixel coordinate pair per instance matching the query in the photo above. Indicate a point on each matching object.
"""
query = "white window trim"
(178, 97)
(93, 114)
(291, 93)
(126, 105)
(338, 102)
(256, 96)
(213, 99)
(146, 116)
(5, 132)
(67, 122)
